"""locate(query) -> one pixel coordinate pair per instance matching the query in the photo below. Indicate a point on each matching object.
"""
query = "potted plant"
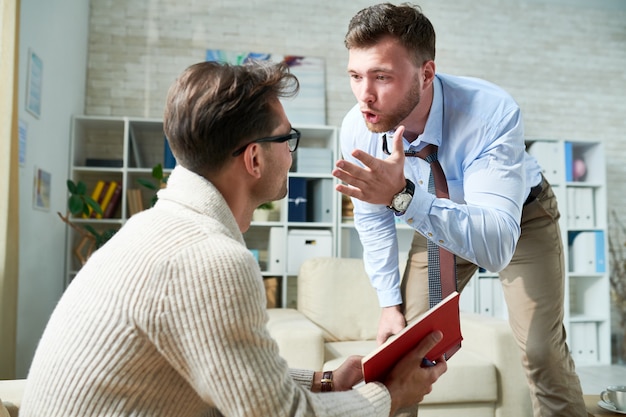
(79, 203)
(262, 213)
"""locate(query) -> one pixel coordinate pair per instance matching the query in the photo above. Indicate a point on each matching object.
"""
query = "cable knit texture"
(168, 319)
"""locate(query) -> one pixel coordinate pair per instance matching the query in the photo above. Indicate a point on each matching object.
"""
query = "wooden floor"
(595, 378)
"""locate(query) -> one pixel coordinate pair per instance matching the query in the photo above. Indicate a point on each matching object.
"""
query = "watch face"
(401, 201)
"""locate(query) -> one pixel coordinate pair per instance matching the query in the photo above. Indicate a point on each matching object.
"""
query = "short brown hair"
(405, 22)
(213, 108)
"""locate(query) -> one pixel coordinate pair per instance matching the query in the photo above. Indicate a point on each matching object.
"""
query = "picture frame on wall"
(34, 84)
(41, 189)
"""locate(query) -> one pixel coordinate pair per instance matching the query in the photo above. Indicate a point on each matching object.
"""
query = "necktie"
(441, 263)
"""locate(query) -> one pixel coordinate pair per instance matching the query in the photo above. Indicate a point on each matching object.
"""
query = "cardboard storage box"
(306, 243)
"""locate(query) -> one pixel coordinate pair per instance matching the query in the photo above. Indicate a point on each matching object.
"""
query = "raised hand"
(379, 180)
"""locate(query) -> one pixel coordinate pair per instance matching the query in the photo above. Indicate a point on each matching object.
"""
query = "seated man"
(168, 318)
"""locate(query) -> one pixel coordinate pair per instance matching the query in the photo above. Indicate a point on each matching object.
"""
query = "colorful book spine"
(95, 196)
(107, 197)
(114, 203)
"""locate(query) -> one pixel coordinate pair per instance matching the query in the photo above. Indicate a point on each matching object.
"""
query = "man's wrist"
(323, 382)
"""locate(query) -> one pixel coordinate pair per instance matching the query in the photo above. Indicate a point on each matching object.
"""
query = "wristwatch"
(400, 202)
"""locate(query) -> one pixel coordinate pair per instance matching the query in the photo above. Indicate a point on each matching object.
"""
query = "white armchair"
(337, 316)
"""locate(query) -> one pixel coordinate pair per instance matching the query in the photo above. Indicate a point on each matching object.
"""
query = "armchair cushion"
(325, 301)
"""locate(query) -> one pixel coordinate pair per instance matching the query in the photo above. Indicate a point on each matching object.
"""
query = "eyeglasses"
(386, 149)
(292, 140)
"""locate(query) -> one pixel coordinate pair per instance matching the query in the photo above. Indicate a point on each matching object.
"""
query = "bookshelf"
(304, 224)
(112, 150)
(576, 171)
(300, 226)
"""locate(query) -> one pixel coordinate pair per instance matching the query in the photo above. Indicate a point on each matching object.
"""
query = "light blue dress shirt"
(478, 129)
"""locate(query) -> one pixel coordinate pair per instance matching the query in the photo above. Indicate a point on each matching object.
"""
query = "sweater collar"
(195, 192)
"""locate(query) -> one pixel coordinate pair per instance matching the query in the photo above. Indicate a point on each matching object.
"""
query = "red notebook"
(444, 317)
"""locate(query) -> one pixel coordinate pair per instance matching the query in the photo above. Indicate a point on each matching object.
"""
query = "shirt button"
(420, 182)
(430, 234)
(441, 241)
(410, 221)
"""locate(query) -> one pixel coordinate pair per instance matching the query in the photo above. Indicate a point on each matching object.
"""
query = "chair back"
(336, 294)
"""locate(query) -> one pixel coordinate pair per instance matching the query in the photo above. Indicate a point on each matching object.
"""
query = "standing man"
(168, 318)
(502, 214)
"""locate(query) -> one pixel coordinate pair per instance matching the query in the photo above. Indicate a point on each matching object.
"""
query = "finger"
(352, 169)
(428, 343)
(349, 191)
(398, 147)
(360, 183)
(365, 158)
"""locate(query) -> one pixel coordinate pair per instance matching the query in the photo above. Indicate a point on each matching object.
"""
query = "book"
(297, 202)
(169, 161)
(135, 204)
(95, 196)
(106, 199)
(569, 161)
(114, 203)
(105, 163)
(137, 159)
(444, 317)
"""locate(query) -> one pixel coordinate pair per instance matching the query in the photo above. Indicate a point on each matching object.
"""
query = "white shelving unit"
(582, 204)
(304, 224)
(136, 145)
(108, 140)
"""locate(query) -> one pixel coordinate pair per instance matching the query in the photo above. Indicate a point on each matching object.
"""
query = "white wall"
(563, 60)
(57, 31)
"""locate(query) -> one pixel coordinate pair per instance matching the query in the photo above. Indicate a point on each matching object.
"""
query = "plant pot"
(260, 215)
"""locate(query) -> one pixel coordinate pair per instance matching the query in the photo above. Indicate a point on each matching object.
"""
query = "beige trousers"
(533, 289)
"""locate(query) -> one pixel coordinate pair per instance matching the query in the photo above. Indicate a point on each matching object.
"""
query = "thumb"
(428, 343)
(398, 147)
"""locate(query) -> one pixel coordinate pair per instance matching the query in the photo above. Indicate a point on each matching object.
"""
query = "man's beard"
(390, 121)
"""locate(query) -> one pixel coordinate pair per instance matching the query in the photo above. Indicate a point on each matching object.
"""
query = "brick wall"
(564, 62)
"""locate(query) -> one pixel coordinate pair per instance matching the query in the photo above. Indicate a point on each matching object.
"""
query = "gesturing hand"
(379, 180)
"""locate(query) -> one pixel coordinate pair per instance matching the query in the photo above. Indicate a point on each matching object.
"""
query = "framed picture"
(41, 189)
(309, 106)
(33, 84)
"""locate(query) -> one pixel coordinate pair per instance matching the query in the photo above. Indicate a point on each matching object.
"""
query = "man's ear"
(253, 160)
(428, 71)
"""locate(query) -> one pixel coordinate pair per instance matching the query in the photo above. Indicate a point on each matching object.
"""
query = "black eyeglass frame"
(289, 138)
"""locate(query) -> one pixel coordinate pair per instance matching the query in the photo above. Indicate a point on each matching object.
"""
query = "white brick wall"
(564, 61)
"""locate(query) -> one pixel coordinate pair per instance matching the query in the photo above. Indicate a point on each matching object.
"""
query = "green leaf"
(146, 183)
(75, 204)
(81, 188)
(104, 237)
(157, 172)
(93, 204)
(71, 187)
(91, 230)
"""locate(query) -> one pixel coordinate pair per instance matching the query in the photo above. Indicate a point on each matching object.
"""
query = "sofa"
(11, 396)
(337, 316)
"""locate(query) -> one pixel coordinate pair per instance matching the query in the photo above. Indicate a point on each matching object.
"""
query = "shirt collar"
(433, 129)
(434, 124)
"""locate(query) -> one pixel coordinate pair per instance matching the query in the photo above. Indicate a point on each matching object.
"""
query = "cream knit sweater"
(168, 319)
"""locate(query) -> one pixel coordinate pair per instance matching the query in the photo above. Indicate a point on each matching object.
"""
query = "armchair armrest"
(300, 342)
(493, 338)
